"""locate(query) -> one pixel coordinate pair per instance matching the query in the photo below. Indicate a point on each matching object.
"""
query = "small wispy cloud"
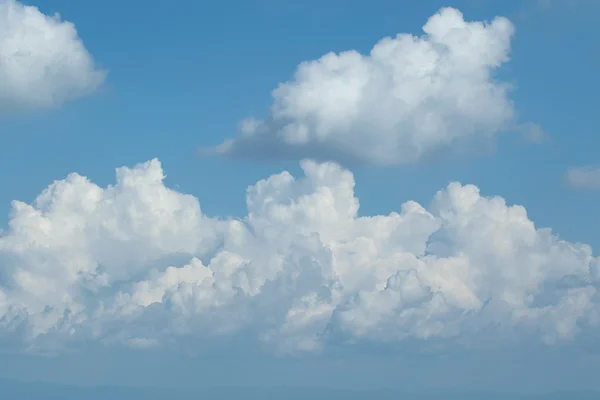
(587, 178)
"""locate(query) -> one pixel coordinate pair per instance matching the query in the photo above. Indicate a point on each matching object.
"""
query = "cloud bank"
(410, 97)
(43, 62)
(138, 264)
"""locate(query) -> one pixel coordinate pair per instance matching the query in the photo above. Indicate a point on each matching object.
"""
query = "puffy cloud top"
(409, 97)
(43, 62)
(138, 264)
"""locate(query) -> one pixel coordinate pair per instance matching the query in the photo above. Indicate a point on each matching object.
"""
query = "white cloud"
(408, 98)
(43, 62)
(584, 177)
(138, 264)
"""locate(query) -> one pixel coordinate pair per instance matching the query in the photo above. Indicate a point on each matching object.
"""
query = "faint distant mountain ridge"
(33, 391)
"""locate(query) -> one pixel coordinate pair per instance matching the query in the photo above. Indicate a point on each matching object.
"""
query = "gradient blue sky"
(182, 75)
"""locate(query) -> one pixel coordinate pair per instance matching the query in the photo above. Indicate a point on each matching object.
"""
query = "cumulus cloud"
(43, 62)
(584, 177)
(138, 264)
(410, 97)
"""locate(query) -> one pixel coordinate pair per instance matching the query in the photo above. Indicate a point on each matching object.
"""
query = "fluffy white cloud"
(408, 98)
(138, 264)
(584, 177)
(43, 62)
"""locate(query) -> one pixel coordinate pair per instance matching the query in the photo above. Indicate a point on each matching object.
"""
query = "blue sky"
(183, 76)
